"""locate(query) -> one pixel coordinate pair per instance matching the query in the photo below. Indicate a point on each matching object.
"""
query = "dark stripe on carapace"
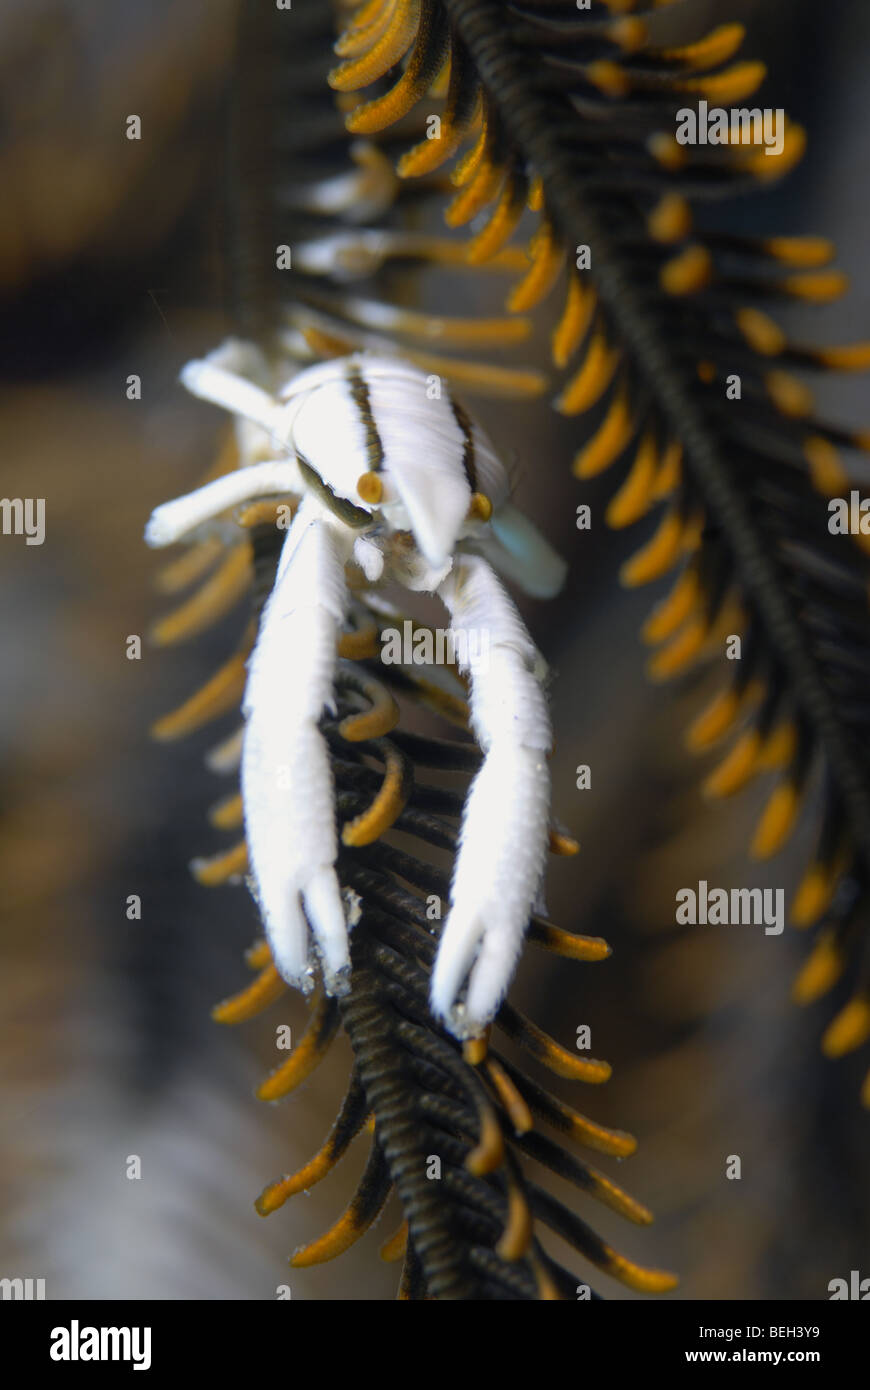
(353, 516)
(468, 459)
(360, 393)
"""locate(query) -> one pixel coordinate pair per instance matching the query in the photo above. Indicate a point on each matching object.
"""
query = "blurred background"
(112, 263)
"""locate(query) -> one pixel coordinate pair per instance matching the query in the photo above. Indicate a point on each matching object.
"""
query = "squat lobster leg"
(175, 520)
(286, 779)
(231, 378)
(503, 840)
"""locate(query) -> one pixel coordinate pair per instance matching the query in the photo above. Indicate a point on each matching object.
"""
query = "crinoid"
(559, 128)
(471, 1111)
(689, 383)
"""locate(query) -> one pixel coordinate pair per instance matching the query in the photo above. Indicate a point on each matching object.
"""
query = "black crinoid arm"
(451, 1127)
(691, 388)
(556, 132)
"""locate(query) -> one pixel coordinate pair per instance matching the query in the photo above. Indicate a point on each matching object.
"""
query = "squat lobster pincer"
(392, 476)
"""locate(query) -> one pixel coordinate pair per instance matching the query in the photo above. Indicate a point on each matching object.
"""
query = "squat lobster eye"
(349, 436)
(370, 488)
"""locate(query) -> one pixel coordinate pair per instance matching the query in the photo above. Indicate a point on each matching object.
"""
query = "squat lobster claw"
(374, 450)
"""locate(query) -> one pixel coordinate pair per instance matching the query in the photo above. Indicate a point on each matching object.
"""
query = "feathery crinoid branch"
(421, 1096)
(670, 344)
(475, 1232)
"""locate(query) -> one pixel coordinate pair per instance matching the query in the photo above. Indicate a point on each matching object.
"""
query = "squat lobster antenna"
(523, 555)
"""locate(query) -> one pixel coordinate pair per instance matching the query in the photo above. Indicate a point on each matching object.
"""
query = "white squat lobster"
(352, 429)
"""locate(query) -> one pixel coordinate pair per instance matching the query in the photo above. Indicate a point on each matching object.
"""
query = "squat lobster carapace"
(390, 475)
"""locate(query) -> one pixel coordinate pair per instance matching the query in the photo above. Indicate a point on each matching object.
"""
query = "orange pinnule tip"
(816, 287)
(820, 972)
(732, 85)
(629, 33)
(852, 357)
(547, 256)
(680, 652)
(519, 1229)
(760, 332)
(777, 821)
(790, 396)
(265, 990)
(568, 944)
(580, 304)
(766, 164)
(688, 272)
(827, 474)
(221, 868)
(659, 554)
(394, 1248)
(489, 1151)
(560, 843)
(850, 1029)
(635, 1276)
(804, 251)
(714, 721)
(591, 380)
(667, 151)
(609, 440)
(780, 746)
(635, 495)
(474, 1049)
(670, 219)
(813, 895)
(669, 615)
(258, 955)
(610, 78)
(737, 768)
(711, 50)
(670, 471)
